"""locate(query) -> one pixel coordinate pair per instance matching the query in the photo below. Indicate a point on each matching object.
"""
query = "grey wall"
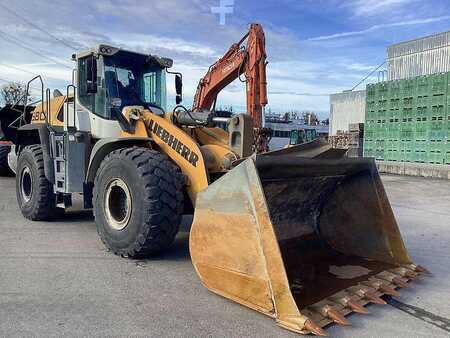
(346, 108)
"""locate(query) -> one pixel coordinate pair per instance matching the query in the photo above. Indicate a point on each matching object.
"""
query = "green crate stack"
(409, 120)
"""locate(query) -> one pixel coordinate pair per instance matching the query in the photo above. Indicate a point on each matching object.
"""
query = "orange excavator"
(248, 60)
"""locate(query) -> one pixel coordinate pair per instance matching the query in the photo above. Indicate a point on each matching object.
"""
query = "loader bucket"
(304, 240)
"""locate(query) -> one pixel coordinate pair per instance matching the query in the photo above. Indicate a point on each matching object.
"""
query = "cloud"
(380, 27)
(376, 7)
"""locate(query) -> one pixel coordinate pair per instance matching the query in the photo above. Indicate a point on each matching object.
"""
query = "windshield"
(133, 79)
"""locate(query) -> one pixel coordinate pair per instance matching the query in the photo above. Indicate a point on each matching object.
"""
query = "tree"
(13, 93)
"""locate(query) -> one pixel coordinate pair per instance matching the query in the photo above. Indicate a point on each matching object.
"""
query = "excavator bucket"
(303, 235)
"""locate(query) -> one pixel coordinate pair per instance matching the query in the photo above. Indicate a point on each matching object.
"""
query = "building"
(424, 56)
(346, 108)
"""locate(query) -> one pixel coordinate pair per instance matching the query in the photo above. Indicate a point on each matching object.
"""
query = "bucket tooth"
(383, 287)
(404, 272)
(394, 279)
(409, 273)
(335, 316)
(400, 282)
(388, 290)
(374, 298)
(314, 328)
(419, 269)
(356, 307)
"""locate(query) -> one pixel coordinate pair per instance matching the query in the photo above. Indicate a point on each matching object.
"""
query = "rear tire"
(5, 170)
(138, 201)
(35, 196)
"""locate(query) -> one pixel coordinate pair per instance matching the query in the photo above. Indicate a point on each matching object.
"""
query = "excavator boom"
(241, 59)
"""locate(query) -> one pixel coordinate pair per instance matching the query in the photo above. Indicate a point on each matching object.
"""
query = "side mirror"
(179, 88)
(91, 75)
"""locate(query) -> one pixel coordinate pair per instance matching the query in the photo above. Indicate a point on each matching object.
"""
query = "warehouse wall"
(346, 108)
(425, 56)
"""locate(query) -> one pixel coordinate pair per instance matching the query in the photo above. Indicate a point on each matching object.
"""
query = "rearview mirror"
(179, 88)
(91, 75)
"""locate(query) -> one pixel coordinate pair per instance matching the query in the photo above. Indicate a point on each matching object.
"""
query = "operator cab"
(109, 79)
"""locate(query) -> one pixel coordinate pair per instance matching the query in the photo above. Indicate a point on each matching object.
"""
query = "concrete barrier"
(415, 169)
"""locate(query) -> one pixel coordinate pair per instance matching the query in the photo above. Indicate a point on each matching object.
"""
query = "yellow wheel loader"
(303, 235)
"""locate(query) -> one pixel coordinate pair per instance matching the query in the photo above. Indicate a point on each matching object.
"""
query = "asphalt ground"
(57, 279)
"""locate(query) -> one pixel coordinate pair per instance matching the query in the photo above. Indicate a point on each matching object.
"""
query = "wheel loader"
(303, 235)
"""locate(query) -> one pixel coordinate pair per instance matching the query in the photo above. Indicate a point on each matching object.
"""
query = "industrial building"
(407, 117)
(423, 56)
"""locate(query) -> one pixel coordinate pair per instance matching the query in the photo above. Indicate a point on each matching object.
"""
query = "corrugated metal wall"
(346, 108)
(423, 56)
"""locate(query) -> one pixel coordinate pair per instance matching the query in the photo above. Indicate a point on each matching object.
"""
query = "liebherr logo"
(173, 142)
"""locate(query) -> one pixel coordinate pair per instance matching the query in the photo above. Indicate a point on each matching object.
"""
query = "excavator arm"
(241, 59)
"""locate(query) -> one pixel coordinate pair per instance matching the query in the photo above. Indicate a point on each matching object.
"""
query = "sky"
(314, 47)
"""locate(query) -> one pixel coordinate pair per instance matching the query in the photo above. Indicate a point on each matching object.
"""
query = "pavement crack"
(428, 317)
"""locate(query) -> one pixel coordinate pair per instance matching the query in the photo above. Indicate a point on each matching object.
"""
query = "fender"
(37, 134)
(107, 145)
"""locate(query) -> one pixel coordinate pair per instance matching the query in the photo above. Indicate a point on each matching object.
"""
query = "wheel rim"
(26, 184)
(118, 204)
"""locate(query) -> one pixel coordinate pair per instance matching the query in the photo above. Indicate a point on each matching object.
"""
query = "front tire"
(138, 201)
(35, 196)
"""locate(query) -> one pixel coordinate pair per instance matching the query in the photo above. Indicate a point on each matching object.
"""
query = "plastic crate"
(437, 130)
(393, 130)
(371, 92)
(407, 130)
(421, 131)
(438, 100)
(423, 111)
(379, 154)
(421, 156)
(369, 152)
(408, 102)
(439, 83)
(423, 101)
(448, 129)
(408, 155)
(395, 90)
(394, 103)
(383, 90)
(407, 112)
(371, 105)
(438, 110)
(423, 85)
(408, 88)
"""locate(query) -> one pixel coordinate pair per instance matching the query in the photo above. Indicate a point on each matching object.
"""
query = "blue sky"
(315, 47)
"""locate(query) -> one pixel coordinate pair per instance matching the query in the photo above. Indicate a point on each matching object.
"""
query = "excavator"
(303, 235)
(251, 61)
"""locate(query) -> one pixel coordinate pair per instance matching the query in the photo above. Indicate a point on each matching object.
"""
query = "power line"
(13, 40)
(28, 22)
(365, 78)
(29, 72)
(17, 68)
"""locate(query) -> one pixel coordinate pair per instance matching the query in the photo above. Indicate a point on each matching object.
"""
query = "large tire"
(4, 166)
(138, 201)
(35, 195)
